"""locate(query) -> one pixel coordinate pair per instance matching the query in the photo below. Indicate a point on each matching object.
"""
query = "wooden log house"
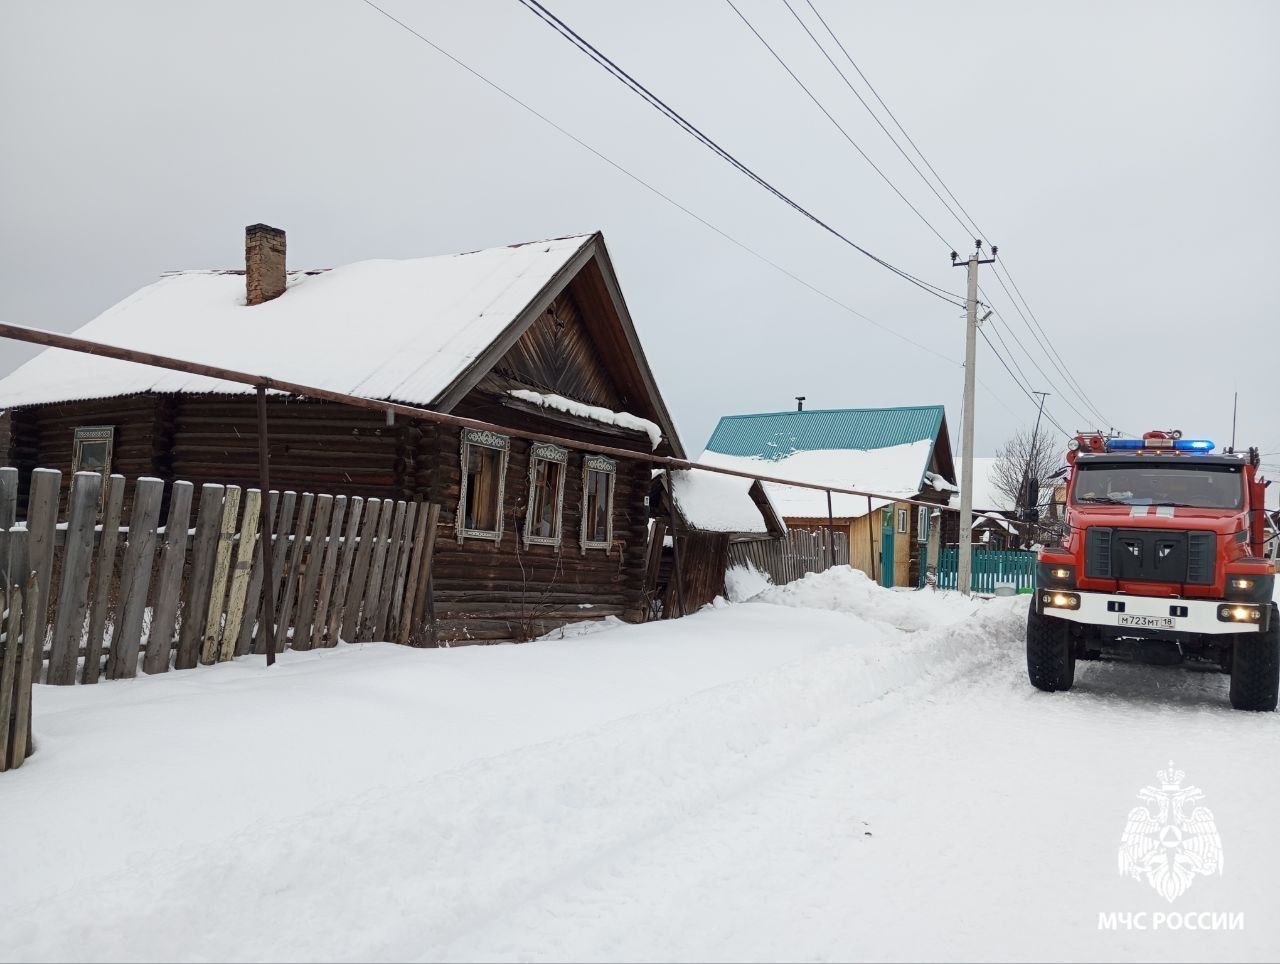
(534, 336)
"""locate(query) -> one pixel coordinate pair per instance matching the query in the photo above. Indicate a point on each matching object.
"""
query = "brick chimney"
(263, 263)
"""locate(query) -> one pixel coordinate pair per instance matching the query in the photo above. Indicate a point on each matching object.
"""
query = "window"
(598, 474)
(484, 470)
(904, 520)
(546, 494)
(1160, 481)
(92, 451)
(922, 524)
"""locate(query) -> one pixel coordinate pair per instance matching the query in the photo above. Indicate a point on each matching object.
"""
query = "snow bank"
(593, 412)
(847, 590)
(893, 471)
(745, 582)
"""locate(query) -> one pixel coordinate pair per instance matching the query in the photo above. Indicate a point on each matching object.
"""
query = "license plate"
(1146, 622)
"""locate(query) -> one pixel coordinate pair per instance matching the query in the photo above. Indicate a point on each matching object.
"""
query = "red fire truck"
(1163, 558)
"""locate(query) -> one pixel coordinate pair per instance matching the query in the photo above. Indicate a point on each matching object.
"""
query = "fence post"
(73, 597)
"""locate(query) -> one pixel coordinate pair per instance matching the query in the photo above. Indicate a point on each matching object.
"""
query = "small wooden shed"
(533, 336)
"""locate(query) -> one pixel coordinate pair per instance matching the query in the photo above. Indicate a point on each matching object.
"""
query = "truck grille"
(1097, 553)
(1200, 552)
(1150, 555)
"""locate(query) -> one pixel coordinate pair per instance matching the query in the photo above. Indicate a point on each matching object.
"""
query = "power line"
(1030, 397)
(1047, 346)
(742, 245)
(838, 126)
(818, 103)
(628, 81)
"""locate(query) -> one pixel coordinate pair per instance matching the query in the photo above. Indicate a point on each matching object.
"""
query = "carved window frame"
(598, 463)
(545, 452)
(94, 433)
(490, 440)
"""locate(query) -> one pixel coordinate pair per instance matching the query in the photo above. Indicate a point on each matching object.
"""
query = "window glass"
(544, 498)
(1206, 485)
(596, 515)
(483, 507)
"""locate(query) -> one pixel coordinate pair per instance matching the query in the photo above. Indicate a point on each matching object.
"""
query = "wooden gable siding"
(557, 354)
(506, 590)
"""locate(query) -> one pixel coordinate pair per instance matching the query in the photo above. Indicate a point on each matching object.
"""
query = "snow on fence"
(111, 597)
(791, 557)
(17, 669)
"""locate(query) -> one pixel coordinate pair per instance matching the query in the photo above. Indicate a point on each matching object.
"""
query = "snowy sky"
(1121, 155)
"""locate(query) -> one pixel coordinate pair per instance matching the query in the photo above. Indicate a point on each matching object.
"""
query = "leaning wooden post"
(871, 541)
(264, 526)
(831, 533)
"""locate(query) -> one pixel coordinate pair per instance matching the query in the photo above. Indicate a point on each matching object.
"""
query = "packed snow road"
(829, 771)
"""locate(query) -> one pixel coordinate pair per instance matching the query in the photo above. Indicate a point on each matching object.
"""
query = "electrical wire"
(742, 245)
(1044, 342)
(628, 81)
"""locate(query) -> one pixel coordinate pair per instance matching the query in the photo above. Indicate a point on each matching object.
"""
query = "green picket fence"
(1016, 566)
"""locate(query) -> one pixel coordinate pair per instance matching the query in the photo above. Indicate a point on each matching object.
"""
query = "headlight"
(1055, 575)
(1239, 613)
(1060, 600)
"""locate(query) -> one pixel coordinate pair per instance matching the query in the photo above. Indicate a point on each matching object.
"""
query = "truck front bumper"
(1150, 614)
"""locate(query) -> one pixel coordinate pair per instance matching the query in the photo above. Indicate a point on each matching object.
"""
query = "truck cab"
(1161, 559)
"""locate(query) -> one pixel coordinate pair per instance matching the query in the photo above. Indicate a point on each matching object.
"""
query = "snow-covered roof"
(995, 517)
(893, 471)
(594, 413)
(396, 330)
(718, 503)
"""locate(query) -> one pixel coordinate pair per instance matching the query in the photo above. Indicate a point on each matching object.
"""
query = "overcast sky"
(1122, 155)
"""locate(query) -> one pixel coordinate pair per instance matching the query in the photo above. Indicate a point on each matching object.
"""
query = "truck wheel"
(1255, 667)
(1051, 664)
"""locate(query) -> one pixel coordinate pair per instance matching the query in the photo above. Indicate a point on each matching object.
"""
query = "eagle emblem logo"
(1170, 840)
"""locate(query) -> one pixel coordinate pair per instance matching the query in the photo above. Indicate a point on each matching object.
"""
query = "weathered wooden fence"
(792, 556)
(110, 597)
(990, 567)
(17, 669)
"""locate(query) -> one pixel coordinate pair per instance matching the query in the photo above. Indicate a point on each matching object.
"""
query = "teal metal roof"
(775, 435)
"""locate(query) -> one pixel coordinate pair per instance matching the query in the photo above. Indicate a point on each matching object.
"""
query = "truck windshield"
(1155, 483)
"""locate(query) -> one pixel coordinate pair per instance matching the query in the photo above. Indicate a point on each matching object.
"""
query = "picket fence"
(792, 556)
(1016, 567)
(111, 599)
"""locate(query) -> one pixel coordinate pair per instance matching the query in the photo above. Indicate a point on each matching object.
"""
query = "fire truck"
(1166, 556)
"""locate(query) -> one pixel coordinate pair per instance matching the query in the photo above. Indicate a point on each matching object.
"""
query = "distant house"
(533, 336)
(901, 452)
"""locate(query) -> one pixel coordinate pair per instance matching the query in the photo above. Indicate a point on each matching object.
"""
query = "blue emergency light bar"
(1178, 445)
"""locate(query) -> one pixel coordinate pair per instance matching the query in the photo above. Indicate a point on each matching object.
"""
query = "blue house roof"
(775, 435)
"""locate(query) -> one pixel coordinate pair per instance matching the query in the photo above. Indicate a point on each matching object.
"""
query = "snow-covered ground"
(827, 771)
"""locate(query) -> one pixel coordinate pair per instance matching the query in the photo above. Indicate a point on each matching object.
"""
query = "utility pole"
(1235, 407)
(964, 575)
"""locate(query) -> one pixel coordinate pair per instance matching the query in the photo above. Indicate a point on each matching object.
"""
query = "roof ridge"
(827, 411)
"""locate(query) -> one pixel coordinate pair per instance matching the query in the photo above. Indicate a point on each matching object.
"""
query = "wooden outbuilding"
(532, 336)
(902, 451)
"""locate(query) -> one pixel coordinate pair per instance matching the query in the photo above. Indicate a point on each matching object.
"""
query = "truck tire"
(1051, 663)
(1255, 667)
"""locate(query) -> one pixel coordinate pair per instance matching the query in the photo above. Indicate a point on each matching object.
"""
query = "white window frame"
(922, 524)
(544, 452)
(904, 520)
(598, 463)
(490, 440)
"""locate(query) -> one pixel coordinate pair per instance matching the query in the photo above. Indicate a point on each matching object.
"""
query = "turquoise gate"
(1016, 566)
